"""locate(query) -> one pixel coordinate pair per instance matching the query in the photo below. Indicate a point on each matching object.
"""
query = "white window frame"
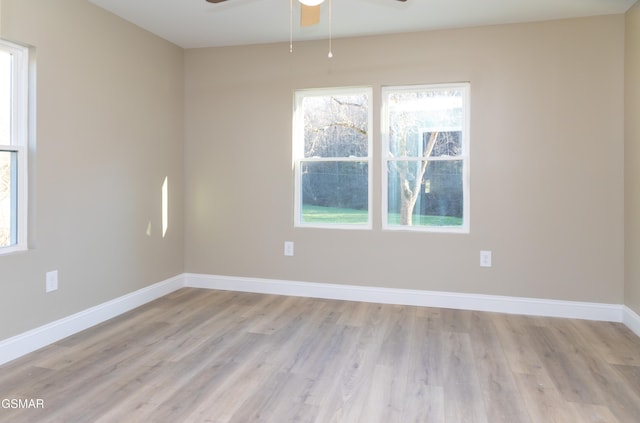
(19, 140)
(465, 227)
(298, 154)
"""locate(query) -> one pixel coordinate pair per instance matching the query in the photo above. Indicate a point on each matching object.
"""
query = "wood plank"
(544, 402)
(613, 341)
(517, 343)
(345, 399)
(502, 399)
(425, 394)
(568, 371)
(589, 413)
(463, 400)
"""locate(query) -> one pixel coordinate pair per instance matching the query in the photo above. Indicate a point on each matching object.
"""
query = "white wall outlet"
(51, 281)
(485, 258)
(288, 248)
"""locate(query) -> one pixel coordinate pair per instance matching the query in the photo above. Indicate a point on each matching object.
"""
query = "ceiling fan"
(309, 11)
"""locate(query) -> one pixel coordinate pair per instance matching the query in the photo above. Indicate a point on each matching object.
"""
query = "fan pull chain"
(330, 55)
(290, 26)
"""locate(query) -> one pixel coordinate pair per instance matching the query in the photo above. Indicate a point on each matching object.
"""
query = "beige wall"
(546, 161)
(632, 159)
(109, 129)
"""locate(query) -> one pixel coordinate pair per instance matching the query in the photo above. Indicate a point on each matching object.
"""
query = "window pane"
(14, 76)
(336, 125)
(425, 193)
(429, 144)
(7, 198)
(335, 192)
(5, 98)
(414, 115)
(445, 143)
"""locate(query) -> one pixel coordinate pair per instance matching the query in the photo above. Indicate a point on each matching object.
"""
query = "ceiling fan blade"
(309, 15)
(216, 1)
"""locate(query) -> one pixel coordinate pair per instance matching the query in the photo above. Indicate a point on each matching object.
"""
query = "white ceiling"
(196, 23)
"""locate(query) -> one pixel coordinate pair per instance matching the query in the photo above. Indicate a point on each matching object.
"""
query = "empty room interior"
(174, 253)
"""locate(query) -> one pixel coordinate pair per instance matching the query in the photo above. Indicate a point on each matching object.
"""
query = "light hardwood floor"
(215, 356)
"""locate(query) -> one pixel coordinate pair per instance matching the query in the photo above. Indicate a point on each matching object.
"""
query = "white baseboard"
(494, 303)
(631, 320)
(42, 336)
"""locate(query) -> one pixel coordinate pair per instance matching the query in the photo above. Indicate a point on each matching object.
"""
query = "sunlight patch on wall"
(165, 206)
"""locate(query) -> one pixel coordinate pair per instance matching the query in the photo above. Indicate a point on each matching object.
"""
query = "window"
(332, 157)
(13, 146)
(426, 158)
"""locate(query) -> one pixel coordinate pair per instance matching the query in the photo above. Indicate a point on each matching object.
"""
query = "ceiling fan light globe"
(311, 2)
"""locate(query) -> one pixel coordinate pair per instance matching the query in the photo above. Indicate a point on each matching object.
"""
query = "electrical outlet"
(51, 281)
(288, 248)
(485, 258)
